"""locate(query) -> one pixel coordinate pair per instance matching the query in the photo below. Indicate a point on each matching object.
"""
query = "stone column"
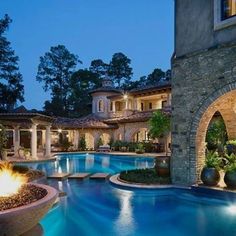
(76, 139)
(16, 139)
(48, 141)
(34, 141)
(126, 104)
(113, 106)
(43, 138)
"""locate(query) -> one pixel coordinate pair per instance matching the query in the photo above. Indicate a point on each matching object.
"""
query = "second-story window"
(150, 106)
(100, 106)
(228, 9)
(163, 104)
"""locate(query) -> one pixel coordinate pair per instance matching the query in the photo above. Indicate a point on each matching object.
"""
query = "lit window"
(228, 9)
(100, 106)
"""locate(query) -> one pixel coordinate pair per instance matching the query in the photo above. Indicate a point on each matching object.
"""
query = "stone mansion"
(116, 115)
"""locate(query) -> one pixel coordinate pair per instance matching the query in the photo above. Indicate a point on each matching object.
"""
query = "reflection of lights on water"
(105, 161)
(232, 209)
(59, 170)
(89, 162)
(67, 165)
(60, 186)
(125, 221)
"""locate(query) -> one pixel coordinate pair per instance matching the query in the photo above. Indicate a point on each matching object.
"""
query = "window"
(111, 106)
(163, 104)
(150, 106)
(100, 106)
(228, 9)
(142, 106)
(224, 13)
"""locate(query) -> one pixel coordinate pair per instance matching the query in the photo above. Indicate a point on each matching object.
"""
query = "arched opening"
(105, 138)
(140, 135)
(89, 139)
(224, 106)
(100, 106)
(216, 135)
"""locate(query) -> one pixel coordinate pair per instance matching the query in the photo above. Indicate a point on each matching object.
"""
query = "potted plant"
(230, 171)
(210, 174)
(231, 147)
(3, 141)
(139, 149)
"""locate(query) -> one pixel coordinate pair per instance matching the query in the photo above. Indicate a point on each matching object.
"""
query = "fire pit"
(22, 204)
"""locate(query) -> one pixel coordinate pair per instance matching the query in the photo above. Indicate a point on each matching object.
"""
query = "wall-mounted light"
(31, 130)
(125, 96)
(59, 130)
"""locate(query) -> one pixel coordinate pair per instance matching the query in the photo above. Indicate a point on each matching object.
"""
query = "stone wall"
(198, 79)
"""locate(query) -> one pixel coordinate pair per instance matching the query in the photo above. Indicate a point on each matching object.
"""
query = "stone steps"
(99, 176)
(80, 176)
(59, 176)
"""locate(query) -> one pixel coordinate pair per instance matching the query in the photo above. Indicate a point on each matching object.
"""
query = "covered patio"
(38, 129)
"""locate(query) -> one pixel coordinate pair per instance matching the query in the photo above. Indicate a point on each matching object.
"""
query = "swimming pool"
(99, 208)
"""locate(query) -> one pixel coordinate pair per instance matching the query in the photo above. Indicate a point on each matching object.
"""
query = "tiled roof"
(138, 116)
(105, 89)
(90, 121)
(157, 86)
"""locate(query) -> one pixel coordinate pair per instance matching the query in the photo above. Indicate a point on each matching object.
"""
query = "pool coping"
(114, 179)
(131, 154)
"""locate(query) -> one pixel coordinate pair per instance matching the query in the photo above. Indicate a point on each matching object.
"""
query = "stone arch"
(106, 138)
(138, 134)
(89, 138)
(221, 100)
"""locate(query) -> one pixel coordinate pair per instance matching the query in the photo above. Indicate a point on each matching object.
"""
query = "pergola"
(32, 122)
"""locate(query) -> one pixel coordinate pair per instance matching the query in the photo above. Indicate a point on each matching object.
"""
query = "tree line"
(59, 74)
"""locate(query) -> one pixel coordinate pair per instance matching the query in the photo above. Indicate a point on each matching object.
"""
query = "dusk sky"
(141, 29)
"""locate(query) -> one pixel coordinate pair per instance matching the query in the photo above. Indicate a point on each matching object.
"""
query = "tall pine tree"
(11, 87)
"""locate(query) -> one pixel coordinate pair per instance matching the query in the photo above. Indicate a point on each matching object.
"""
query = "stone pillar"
(43, 138)
(113, 106)
(126, 104)
(34, 141)
(16, 139)
(48, 141)
(76, 139)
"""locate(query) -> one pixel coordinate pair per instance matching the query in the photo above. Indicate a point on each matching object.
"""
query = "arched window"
(100, 106)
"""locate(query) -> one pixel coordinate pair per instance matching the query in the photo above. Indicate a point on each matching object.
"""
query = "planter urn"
(230, 179)
(210, 176)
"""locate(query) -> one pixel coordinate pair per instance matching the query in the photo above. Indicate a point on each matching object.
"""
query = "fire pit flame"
(10, 181)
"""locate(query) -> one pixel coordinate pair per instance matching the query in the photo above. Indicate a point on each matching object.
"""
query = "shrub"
(212, 160)
(146, 176)
(82, 144)
(100, 142)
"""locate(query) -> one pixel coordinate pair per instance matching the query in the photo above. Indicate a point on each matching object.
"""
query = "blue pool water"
(98, 208)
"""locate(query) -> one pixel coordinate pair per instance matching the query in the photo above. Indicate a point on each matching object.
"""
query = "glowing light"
(125, 96)
(10, 181)
(31, 130)
(59, 130)
(232, 209)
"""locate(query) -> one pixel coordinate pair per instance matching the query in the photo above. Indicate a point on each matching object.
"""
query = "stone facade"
(203, 83)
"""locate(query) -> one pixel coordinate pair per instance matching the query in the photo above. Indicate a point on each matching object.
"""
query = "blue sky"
(92, 29)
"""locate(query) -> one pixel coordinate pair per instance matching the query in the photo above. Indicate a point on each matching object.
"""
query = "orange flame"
(10, 181)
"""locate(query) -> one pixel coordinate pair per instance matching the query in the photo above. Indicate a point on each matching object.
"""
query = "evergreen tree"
(11, 87)
(82, 81)
(98, 67)
(120, 70)
(55, 70)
